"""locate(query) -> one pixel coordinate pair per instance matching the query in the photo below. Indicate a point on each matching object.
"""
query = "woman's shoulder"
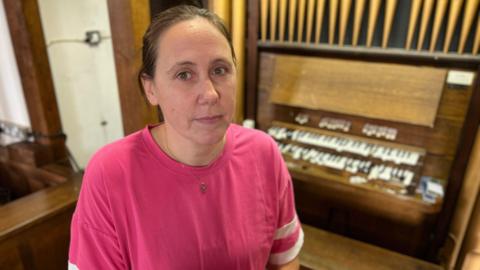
(118, 150)
(256, 136)
(254, 139)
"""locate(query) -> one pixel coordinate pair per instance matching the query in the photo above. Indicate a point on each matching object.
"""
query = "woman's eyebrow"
(180, 64)
(221, 60)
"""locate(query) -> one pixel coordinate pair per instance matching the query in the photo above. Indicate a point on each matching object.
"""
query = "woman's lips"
(209, 119)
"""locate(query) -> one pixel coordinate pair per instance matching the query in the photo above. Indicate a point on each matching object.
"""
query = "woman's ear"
(149, 89)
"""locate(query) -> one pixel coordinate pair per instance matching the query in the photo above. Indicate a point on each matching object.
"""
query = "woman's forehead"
(193, 38)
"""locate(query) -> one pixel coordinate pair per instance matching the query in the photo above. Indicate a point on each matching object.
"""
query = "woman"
(194, 192)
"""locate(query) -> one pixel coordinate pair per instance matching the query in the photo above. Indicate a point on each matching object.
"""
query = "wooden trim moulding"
(28, 42)
(128, 21)
(252, 61)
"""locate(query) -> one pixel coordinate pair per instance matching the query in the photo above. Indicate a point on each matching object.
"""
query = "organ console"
(364, 146)
(375, 135)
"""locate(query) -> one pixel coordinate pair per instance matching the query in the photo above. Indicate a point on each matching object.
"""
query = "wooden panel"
(34, 69)
(466, 202)
(38, 207)
(358, 213)
(35, 230)
(383, 91)
(324, 250)
(10, 258)
(128, 20)
(470, 252)
(238, 41)
(252, 61)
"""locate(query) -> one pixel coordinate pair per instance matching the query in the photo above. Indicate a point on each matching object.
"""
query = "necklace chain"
(203, 185)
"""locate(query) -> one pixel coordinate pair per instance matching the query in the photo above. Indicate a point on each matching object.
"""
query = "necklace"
(203, 185)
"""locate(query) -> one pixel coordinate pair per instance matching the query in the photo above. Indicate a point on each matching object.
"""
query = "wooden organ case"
(375, 138)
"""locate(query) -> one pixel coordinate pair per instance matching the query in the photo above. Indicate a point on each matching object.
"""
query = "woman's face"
(194, 81)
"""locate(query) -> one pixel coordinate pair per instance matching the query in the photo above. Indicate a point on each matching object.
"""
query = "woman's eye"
(184, 75)
(219, 71)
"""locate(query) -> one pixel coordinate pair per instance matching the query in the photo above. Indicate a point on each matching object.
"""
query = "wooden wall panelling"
(462, 155)
(470, 252)
(326, 250)
(223, 10)
(128, 21)
(348, 94)
(251, 61)
(32, 60)
(464, 209)
(239, 14)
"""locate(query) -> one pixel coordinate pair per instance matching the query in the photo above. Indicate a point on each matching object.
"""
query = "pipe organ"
(374, 110)
(437, 26)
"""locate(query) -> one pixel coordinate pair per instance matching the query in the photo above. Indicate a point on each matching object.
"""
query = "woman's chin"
(211, 137)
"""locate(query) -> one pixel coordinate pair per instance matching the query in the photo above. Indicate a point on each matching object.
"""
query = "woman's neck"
(183, 150)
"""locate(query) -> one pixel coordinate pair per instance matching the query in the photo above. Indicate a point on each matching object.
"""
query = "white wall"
(84, 76)
(12, 103)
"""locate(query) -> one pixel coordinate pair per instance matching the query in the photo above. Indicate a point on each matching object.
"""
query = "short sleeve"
(93, 242)
(288, 238)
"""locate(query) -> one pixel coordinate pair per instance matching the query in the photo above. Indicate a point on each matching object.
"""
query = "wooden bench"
(35, 229)
(325, 250)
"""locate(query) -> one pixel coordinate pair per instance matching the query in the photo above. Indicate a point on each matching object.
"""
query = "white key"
(373, 173)
(408, 178)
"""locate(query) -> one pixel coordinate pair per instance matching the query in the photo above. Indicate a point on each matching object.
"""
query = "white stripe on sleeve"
(286, 229)
(72, 266)
(288, 255)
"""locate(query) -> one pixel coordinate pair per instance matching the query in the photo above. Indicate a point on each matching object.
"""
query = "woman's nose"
(209, 94)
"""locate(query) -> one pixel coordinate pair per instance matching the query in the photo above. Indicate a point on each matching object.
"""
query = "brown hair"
(166, 19)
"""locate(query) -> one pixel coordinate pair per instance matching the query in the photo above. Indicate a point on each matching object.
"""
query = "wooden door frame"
(25, 26)
(128, 21)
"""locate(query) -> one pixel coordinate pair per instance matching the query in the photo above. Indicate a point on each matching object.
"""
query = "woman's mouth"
(209, 120)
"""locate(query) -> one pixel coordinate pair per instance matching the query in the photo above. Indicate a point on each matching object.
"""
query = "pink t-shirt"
(140, 209)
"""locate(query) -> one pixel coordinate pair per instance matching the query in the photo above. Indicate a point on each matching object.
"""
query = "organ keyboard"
(390, 163)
